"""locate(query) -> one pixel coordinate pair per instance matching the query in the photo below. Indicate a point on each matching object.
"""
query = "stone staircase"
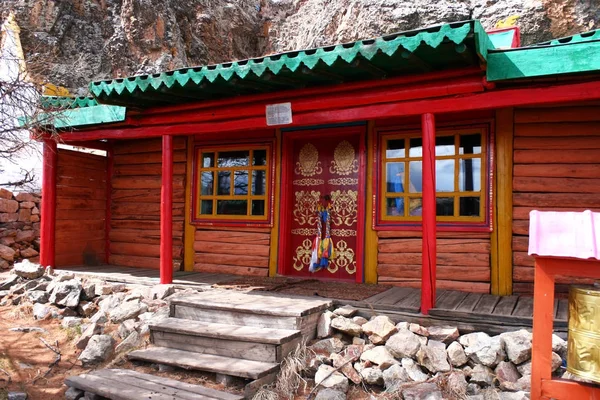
(238, 336)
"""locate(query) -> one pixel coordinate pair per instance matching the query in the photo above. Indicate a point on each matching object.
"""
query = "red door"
(326, 165)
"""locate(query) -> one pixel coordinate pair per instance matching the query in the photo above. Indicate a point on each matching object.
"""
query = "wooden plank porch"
(467, 311)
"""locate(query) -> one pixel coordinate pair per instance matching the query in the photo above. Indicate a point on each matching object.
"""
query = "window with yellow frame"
(233, 183)
(461, 176)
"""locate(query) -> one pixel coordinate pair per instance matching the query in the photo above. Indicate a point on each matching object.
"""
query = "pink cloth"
(564, 234)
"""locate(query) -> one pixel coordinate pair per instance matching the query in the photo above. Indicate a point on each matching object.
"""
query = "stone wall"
(19, 227)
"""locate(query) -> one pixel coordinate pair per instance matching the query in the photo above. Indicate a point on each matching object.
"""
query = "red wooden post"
(48, 204)
(166, 212)
(429, 213)
(108, 216)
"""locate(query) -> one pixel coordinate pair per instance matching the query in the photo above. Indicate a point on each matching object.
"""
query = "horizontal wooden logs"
(150, 225)
(88, 193)
(558, 170)
(557, 143)
(147, 236)
(80, 182)
(558, 129)
(440, 234)
(201, 228)
(80, 160)
(455, 259)
(556, 185)
(148, 158)
(557, 114)
(522, 258)
(523, 212)
(520, 243)
(146, 145)
(526, 274)
(144, 209)
(144, 195)
(520, 227)
(471, 274)
(134, 261)
(81, 246)
(228, 269)
(142, 249)
(443, 246)
(232, 259)
(556, 156)
(81, 215)
(146, 169)
(583, 200)
(441, 284)
(145, 182)
(233, 237)
(77, 172)
(78, 225)
(231, 248)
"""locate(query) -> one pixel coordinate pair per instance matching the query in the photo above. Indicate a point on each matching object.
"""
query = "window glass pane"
(395, 177)
(395, 207)
(240, 183)
(444, 206)
(395, 149)
(259, 182)
(469, 206)
(415, 182)
(444, 146)
(258, 207)
(260, 157)
(224, 183)
(206, 207)
(207, 183)
(416, 148)
(232, 207)
(470, 144)
(415, 207)
(444, 175)
(208, 160)
(233, 158)
(469, 176)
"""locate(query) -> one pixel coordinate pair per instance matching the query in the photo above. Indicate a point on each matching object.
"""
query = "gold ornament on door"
(306, 204)
(344, 162)
(345, 257)
(303, 254)
(344, 207)
(308, 161)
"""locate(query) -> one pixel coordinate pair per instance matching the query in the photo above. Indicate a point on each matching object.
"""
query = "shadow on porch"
(467, 311)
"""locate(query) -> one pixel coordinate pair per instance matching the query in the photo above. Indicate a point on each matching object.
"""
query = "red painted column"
(48, 211)
(108, 216)
(429, 214)
(166, 212)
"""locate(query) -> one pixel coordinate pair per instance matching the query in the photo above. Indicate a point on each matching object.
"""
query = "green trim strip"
(67, 102)
(529, 62)
(579, 38)
(91, 115)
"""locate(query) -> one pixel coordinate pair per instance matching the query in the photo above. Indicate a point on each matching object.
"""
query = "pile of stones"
(414, 361)
(19, 227)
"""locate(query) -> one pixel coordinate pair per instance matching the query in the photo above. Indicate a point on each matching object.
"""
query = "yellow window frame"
(412, 198)
(249, 197)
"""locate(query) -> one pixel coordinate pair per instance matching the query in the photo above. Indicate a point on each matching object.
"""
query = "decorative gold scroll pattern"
(344, 257)
(305, 231)
(306, 204)
(308, 161)
(308, 182)
(344, 162)
(344, 210)
(342, 232)
(303, 255)
(343, 181)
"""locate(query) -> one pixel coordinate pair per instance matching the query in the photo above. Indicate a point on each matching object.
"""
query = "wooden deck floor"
(468, 311)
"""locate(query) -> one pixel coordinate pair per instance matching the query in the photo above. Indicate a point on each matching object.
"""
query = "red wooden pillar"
(108, 216)
(429, 214)
(166, 212)
(48, 204)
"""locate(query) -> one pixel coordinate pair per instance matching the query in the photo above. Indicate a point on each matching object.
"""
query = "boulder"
(70, 322)
(327, 346)
(506, 372)
(37, 296)
(91, 330)
(403, 344)
(418, 329)
(524, 368)
(66, 293)
(485, 350)
(88, 290)
(482, 375)
(379, 329)
(9, 282)
(74, 394)
(110, 302)
(346, 311)
(25, 236)
(372, 376)
(471, 338)
(517, 345)
(324, 324)
(126, 328)
(559, 346)
(28, 270)
(6, 194)
(7, 253)
(127, 311)
(99, 317)
(98, 349)
(359, 320)
(160, 292)
(457, 384)
(103, 289)
(345, 366)
(27, 204)
(395, 376)
(359, 341)
(327, 377)
(131, 342)
(86, 308)
(41, 311)
(445, 334)
(330, 394)
(456, 354)
(23, 196)
(379, 355)
(413, 370)
(556, 361)
(433, 357)
(422, 391)
(346, 326)
(8, 206)
(29, 252)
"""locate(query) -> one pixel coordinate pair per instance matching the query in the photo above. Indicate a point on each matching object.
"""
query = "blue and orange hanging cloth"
(322, 246)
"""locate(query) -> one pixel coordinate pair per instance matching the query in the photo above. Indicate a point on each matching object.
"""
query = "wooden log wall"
(238, 251)
(135, 211)
(80, 208)
(463, 260)
(556, 168)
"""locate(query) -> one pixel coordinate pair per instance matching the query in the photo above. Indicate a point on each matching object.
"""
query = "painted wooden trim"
(48, 211)
(371, 240)
(428, 273)
(189, 229)
(501, 241)
(275, 194)
(107, 219)
(166, 212)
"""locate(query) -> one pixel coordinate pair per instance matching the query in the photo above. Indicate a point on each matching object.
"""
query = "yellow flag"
(507, 22)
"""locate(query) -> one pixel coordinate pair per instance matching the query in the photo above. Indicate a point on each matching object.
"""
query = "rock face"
(19, 228)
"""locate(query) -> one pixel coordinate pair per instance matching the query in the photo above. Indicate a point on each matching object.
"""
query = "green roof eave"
(64, 102)
(76, 117)
(440, 47)
(537, 61)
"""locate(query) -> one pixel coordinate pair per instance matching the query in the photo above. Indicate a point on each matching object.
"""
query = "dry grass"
(21, 311)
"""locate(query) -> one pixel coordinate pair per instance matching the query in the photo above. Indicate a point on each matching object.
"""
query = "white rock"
(422, 391)
(445, 334)
(91, 330)
(41, 311)
(506, 372)
(359, 320)
(160, 292)
(346, 311)
(556, 361)
(482, 375)
(66, 293)
(28, 270)
(472, 338)
(126, 328)
(485, 350)
(335, 381)
(402, 326)
(418, 329)
(513, 396)
(372, 376)
(346, 325)
(99, 317)
(98, 349)
(70, 322)
(128, 310)
(330, 394)
(456, 354)
(559, 345)
(517, 345)
(379, 329)
(324, 324)
(524, 368)
(413, 370)
(457, 384)
(327, 346)
(357, 340)
(38, 296)
(394, 376)
(403, 344)
(433, 357)
(379, 355)
(131, 342)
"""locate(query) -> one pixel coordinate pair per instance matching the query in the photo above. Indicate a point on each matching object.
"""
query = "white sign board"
(279, 114)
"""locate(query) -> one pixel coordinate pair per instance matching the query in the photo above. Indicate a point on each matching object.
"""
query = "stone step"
(251, 343)
(248, 369)
(120, 384)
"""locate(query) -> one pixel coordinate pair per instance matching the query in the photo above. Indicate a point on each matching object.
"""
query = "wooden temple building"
(433, 146)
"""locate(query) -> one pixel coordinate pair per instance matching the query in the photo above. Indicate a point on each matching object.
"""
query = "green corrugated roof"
(64, 102)
(439, 47)
(580, 37)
